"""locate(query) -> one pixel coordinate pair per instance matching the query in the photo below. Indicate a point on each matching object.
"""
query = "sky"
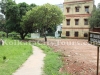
(41, 2)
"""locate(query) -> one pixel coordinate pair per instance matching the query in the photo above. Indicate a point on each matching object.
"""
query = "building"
(75, 23)
(58, 29)
(35, 35)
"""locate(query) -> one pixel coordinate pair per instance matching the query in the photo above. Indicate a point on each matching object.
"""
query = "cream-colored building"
(75, 23)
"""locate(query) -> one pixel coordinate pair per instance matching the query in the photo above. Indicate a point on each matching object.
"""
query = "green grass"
(15, 56)
(52, 61)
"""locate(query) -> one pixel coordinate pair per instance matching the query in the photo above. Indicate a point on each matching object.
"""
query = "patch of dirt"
(79, 57)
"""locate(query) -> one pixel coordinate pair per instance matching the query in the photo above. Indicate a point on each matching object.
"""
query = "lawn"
(12, 55)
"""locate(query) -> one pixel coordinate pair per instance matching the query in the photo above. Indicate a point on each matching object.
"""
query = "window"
(68, 9)
(87, 9)
(76, 21)
(77, 9)
(76, 34)
(67, 33)
(85, 21)
(68, 21)
(85, 34)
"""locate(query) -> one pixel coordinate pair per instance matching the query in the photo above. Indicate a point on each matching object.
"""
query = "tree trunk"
(44, 32)
(7, 34)
(22, 35)
(45, 37)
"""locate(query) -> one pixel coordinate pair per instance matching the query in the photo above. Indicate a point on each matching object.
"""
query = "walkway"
(34, 64)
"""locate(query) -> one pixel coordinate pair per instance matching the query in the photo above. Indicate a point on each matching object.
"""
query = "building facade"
(75, 23)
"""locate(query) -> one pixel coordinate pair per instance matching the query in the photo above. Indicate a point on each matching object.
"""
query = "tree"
(22, 9)
(94, 19)
(2, 22)
(14, 13)
(3, 5)
(44, 17)
(32, 6)
(5, 8)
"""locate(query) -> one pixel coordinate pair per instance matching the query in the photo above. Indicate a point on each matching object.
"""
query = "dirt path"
(34, 64)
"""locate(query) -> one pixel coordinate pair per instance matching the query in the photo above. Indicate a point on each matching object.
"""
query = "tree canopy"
(14, 13)
(94, 19)
(23, 18)
(43, 17)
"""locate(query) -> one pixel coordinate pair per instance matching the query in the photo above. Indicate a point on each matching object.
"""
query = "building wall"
(35, 35)
(72, 15)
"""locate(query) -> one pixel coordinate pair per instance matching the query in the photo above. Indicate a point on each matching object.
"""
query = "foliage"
(15, 55)
(43, 17)
(21, 10)
(52, 61)
(2, 22)
(94, 19)
(32, 6)
(4, 6)
(14, 13)
(2, 34)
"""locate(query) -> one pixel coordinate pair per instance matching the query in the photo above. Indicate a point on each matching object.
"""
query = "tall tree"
(23, 8)
(94, 19)
(5, 8)
(14, 13)
(44, 17)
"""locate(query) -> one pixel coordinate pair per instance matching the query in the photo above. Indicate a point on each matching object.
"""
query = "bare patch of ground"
(79, 57)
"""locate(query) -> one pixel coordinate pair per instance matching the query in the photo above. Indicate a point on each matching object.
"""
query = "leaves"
(43, 17)
(94, 20)
(14, 13)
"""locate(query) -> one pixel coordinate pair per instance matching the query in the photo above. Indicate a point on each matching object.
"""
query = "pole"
(97, 61)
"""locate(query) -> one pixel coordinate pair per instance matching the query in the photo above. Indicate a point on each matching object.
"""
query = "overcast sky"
(40, 2)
